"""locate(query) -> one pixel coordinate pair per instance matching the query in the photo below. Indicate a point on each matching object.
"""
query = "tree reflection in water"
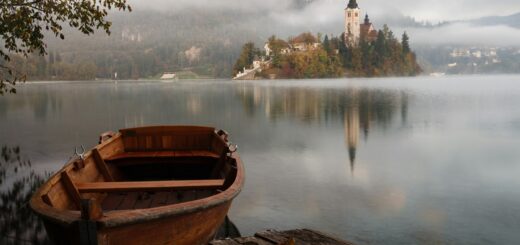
(18, 224)
(358, 109)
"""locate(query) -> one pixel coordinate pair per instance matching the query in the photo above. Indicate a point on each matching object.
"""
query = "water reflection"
(356, 108)
(18, 224)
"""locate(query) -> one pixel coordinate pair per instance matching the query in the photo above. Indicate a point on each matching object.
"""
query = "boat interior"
(146, 168)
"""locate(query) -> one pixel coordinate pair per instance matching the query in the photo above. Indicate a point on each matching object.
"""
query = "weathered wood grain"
(148, 185)
(296, 237)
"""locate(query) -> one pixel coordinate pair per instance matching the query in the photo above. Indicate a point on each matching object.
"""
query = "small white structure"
(286, 51)
(477, 54)
(168, 75)
(460, 53)
(300, 47)
(257, 64)
(268, 49)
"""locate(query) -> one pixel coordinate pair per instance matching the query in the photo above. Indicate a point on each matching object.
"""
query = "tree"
(326, 45)
(25, 23)
(405, 43)
(380, 47)
(246, 57)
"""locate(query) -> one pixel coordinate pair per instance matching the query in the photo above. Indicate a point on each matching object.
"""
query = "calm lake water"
(375, 161)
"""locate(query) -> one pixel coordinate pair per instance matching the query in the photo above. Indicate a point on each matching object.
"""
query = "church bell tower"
(352, 21)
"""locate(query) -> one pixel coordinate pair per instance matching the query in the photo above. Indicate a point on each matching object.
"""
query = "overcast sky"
(429, 10)
(326, 16)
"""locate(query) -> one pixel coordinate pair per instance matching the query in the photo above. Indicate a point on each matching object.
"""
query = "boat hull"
(193, 221)
(185, 229)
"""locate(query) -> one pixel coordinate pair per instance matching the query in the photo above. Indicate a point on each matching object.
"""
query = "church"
(354, 29)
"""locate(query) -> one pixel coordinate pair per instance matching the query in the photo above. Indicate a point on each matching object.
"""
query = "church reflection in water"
(358, 109)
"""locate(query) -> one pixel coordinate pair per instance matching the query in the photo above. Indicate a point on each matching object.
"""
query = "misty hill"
(203, 41)
(510, 20)
(146, 43)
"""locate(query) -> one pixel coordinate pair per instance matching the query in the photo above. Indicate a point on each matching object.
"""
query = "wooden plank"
(101, 165)
(292, 237)
(227, 241)
(130, 142)
(141, 142)
(59, 197)
(186, 196)
(112, 201)
(71, 189)
(175, 197)
(129, 201)
(157, 142)
(159, 199)
(90, 209)
(217, 169)
(149, 143)
(272, 236)
(205, 193)
(329, 237)
(144, 199)
(162, 154)
(47, 200)
(94, 187)
(306, 236)
(254, 240)
(166, 142)
(166, 130)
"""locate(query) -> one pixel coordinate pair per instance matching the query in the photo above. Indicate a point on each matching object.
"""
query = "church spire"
(352, 4)
(367, 20)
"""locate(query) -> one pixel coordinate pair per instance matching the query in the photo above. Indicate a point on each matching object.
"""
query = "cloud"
(283, 17)
(463, 33)
(180, 5)
(427, 10)
(435, 10)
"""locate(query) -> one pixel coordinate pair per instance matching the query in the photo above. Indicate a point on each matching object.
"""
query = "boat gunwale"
(127, 217)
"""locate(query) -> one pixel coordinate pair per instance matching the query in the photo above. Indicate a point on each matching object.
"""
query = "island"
(360, 51)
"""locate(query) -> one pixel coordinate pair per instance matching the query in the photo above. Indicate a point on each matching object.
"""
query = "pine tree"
(326, 45)
(405, 43)
(380, 48)
(246, 57)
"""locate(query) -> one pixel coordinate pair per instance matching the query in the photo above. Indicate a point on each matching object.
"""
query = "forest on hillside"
(144, 44)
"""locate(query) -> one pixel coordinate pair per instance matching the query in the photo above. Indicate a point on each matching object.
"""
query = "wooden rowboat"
(150, 185)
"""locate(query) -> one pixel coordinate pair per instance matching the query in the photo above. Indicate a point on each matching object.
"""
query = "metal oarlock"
(78, 154)
(232, 147)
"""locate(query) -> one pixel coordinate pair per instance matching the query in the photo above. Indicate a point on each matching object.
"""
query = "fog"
(289, 17)
(465, 34)
(424, 10)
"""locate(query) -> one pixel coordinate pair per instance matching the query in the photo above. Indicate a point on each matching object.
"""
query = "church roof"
(352, 4)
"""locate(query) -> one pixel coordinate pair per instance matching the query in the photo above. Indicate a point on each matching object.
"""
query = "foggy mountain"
(510, 20)
(206, 36)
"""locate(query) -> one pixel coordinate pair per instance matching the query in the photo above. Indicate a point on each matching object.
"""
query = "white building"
(352, 21)
(267, 49)
(460, 53)
(477, 54)
(168, 75)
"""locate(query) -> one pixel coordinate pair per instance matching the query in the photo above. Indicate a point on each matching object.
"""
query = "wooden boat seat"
(162, 154)
(105, 187)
